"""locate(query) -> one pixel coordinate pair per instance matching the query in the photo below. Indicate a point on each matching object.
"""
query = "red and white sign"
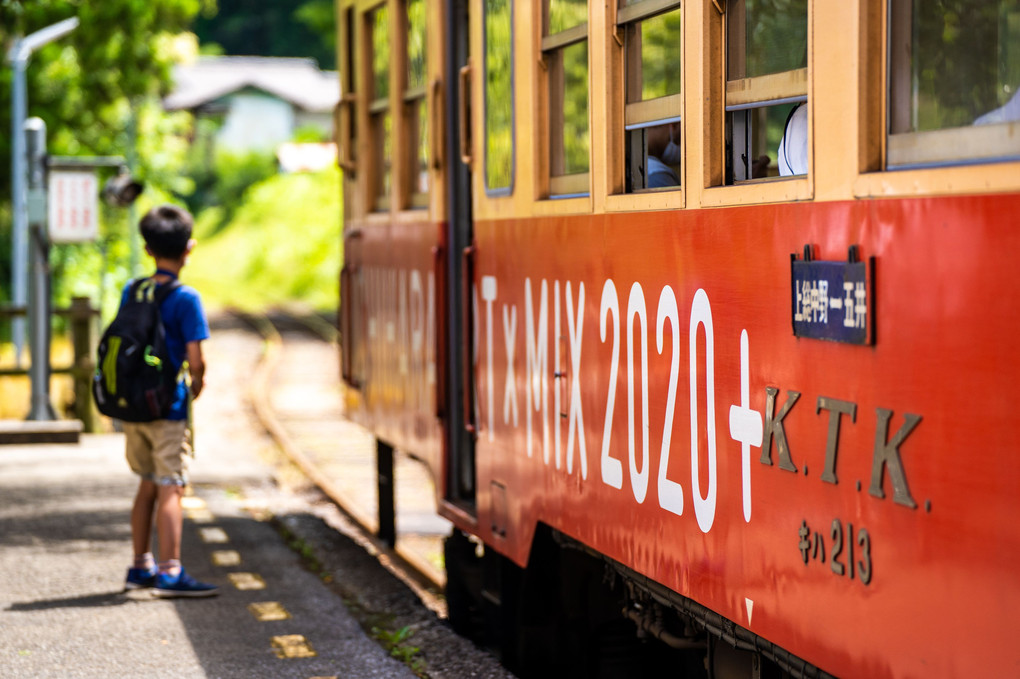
(73, 206)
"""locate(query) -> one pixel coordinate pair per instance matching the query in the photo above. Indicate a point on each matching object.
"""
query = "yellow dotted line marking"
(268, 611)
(192, 502)
(226, 557)
(199, 515)
(247, 581)
(292, 646)
(213, 535)
(284, 646)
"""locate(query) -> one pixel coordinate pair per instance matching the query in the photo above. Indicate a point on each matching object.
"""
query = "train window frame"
(498, 191)
(345, 115)
(377, 110)
(414, 125)
(755, 92)
(876, 179)
(640, 114)
(552, 45)
(939, 147)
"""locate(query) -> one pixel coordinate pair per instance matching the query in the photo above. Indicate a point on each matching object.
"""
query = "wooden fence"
(82, 328)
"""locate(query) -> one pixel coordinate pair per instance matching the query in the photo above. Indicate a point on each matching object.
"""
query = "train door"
(461, 482)
(352, 358)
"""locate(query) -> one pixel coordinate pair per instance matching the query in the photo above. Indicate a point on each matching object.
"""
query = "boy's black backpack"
(135, 380)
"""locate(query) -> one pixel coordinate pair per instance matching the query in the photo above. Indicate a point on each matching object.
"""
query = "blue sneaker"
(139, 578)
(182, 585)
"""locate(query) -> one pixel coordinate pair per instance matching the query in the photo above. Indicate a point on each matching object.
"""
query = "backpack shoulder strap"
(135, 286)
(164, 290)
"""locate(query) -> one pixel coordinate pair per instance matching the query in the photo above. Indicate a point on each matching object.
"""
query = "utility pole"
(19, 56)
(39, 249)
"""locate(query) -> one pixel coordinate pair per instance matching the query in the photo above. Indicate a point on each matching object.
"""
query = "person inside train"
(1007, 113)
(793, 155)
(663, 156)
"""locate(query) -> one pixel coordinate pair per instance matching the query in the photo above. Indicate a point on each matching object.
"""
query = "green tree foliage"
(84, 85)
(660, 56)
(776, 36)
(280, 247)
(965, 59)
(273, 28)
(219, 177)
(570, 63)
(498, 95)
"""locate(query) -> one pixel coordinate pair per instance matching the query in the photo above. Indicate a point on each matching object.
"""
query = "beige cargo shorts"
(159, 451)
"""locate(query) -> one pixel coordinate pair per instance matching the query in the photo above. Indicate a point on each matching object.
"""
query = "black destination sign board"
(832, 300)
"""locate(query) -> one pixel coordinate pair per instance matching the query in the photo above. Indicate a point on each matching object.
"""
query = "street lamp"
(19, 55)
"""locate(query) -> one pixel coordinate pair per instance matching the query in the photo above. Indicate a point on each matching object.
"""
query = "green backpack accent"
(134, 381)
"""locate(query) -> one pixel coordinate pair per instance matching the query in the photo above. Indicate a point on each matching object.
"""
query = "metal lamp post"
(19, 56)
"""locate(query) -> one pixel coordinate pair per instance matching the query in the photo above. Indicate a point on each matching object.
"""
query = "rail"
(423, 578)
(82, 321)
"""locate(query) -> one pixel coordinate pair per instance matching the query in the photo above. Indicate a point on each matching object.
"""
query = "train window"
(379, 108)
(499, 96)
(954, 82)
(652, 32)
(565, 56)
(415, 113)
(766, 89)
(345, 129)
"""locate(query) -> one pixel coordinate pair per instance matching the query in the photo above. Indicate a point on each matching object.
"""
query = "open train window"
(380, 122)
(565, 57)
(415, 108)
(499, 97)
(954, 82)
(651, 32)
(766, 89)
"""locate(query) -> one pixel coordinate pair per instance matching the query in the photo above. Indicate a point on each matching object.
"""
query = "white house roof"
(298, 81)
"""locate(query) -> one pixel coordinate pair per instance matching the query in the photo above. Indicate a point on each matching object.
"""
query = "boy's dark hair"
(166, 229)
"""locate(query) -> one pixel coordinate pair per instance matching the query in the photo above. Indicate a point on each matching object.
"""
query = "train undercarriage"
(575, 613)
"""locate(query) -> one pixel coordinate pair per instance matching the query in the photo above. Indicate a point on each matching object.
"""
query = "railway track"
(296, 396)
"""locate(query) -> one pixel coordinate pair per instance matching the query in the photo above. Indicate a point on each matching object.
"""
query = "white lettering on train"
(671, 493)
(510, 341)
(403, 305)
(636, 310)
(612, 469)
(489, 296)
(704, 505)
(558, 374)
(404, 349)
(745, 425)
(575, 329)
(536, 363)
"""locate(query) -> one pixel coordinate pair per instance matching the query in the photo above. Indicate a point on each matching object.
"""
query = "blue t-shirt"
(184, 321)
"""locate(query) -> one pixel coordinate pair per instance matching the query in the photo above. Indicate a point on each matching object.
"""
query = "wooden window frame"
(499, 191)
(345, 115)
(628, 116)
(410, 99)
(566, 188)
(876, 179)
(933, 148)
(742, 93)
(375, 110)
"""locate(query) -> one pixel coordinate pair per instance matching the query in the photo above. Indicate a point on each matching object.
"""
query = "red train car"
(703, 316)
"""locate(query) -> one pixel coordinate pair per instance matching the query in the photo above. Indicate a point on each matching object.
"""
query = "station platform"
(66, 545)
(301, 594)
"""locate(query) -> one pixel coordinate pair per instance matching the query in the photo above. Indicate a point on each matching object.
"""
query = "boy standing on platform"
(158, 451)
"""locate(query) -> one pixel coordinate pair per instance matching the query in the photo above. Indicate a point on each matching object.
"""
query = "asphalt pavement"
(65, 545)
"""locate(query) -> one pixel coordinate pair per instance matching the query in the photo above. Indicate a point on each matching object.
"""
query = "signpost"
(68, 213)
(19, 55)
(74, 206)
